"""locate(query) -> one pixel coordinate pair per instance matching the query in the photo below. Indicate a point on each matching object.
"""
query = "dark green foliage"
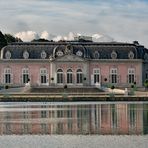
(3, 41)
(112, 87)
(65, 86)
(10, 38)
(7, 38)
(6, 87)
(40, 40)
(146, 83)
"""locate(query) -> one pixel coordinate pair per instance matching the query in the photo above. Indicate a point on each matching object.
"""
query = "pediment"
(69, 58)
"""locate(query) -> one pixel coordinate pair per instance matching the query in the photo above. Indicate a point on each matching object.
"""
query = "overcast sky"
(122, 20)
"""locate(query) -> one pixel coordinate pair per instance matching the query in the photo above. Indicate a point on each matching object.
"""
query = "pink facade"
(74, 64)
(87, 68)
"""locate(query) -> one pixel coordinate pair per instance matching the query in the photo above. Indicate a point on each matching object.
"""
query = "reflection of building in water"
(76, 119)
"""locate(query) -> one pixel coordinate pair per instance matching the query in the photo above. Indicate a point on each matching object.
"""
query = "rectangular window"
(79, 78)
(43, 75)
(7, 78)
(114, 78)
(96, 73)
(60, 78)
(69, 78)
(25, 75)
(25, 78)
(43, 79)
(113, 75)
(131, 75)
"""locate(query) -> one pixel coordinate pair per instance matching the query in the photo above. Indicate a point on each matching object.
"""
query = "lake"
(74, 118)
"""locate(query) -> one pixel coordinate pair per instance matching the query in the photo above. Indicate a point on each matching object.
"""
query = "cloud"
(123, 20)
(30, 35)
(27, 36)
(44, 35)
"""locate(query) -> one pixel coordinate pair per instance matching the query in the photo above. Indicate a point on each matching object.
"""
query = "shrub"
(112, 87)
(65, 86)
(6, 87)
(146, 83)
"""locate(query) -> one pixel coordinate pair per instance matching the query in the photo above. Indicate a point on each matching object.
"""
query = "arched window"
(25, 75)
(59, 76)
(69, 76)
(79, 76)
(43, 76)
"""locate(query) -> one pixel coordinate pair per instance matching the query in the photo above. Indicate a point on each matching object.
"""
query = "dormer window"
(8, 55)
(79, 53)
(43, 55)
(59, 53)
(97, 55)
(113, 55)
(130, 55)
(26, 55)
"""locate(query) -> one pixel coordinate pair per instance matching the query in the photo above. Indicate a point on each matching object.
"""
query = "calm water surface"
(74, 118)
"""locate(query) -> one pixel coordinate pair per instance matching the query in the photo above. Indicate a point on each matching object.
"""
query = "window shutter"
(118, 78)
(21, 79)
(3, 78)
(11, 78)
(47, 77)
(110, 78)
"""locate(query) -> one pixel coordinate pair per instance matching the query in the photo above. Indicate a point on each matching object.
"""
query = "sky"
(106, 20)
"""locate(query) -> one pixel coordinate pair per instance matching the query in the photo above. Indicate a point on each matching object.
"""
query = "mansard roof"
(105, 50)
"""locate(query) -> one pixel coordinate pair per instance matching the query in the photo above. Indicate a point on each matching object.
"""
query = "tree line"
(5, 39)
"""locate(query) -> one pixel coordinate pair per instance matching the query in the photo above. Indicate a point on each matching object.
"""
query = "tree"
(146, 83)
(40, 40)
(10, 38)
(3, 41)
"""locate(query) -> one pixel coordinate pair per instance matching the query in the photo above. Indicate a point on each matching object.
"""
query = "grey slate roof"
(87, 48)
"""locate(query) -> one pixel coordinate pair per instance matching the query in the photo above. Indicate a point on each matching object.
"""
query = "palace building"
(73, 63)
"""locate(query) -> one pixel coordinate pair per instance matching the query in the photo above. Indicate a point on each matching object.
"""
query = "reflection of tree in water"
(114, 116)
(145, 118)
(132, 115)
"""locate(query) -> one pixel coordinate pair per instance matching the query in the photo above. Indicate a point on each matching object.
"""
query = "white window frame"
(96, 73)
(69, 76)
(61, 77)
(131, 75)
(8, 71)
(43, 72)
(114, 75)
(79, 76)
(25, 71)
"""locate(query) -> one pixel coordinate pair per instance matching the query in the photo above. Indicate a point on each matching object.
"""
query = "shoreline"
(67, 97)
